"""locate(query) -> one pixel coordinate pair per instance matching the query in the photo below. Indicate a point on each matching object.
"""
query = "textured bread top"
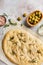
(23, 48)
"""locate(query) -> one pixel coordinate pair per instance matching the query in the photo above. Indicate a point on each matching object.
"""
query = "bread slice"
(22, 48)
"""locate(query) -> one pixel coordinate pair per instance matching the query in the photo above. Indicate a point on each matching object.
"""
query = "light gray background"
(16, 8)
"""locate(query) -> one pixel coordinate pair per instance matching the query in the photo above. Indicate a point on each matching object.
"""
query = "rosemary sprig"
(34, 61)
(11, 22)
(6, 25)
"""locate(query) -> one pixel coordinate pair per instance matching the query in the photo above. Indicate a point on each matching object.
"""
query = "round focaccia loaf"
(22, 48)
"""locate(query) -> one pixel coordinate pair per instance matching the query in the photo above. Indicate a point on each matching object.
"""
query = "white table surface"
(7, 6)
(1, 63)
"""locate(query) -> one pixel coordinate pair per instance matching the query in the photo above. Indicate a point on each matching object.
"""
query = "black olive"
(12, 38)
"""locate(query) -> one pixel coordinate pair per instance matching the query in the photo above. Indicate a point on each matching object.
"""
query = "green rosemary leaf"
(11, 23)
(33, 60)
(6, 25)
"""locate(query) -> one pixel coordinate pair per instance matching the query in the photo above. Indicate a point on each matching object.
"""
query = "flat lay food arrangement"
(19, 45)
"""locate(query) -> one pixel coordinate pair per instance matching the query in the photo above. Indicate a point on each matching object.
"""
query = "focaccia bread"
(22, 48)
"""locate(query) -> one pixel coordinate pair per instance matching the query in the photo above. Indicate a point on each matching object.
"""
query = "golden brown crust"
(3, 42)
(4, 51)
